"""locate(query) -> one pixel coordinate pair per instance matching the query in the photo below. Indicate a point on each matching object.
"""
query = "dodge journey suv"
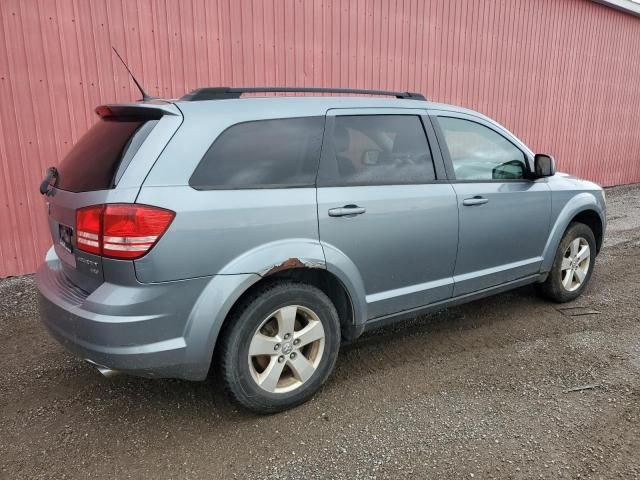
(250, 236)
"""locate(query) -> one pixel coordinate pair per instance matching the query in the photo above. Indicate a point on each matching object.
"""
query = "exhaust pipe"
(105, 371)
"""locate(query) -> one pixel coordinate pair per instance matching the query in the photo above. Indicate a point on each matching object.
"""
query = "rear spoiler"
(137, 111)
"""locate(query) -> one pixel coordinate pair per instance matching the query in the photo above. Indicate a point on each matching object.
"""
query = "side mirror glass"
(545, 165)
(511, 170)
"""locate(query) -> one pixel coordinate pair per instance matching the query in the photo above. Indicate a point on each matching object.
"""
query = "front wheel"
(572, 266)
(281, 344)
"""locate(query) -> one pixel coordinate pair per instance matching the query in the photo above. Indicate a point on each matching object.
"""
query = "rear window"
(262, 154)
(99, 159)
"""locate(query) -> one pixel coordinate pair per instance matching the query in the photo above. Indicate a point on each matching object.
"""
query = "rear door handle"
(346, 211)
(477, 200)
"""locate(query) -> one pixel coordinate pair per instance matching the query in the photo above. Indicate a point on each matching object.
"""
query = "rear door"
(100, 168)
(383, 203)
(504, 216)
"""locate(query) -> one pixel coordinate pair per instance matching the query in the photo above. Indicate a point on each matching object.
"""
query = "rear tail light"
(119, 230)
(89, 229)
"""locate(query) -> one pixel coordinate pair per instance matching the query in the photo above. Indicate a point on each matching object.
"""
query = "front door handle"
(346, 211)
(477, 200)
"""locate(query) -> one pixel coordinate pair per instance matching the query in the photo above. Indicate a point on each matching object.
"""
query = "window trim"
(328, 156)
(278, 186)
(434, 115)
(125, 162)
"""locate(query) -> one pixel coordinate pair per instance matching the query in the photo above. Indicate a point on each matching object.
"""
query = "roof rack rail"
(222, 93)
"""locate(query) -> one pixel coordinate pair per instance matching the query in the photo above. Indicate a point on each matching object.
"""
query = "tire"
(558, 286)
(261, 325)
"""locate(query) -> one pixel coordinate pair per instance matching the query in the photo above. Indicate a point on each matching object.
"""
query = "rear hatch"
(107, 165)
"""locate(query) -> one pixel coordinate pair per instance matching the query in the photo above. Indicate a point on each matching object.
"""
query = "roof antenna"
(145, 97)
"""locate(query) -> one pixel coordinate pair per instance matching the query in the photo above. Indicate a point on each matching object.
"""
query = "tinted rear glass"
(98, 160)
(378, 150)
(262, 154)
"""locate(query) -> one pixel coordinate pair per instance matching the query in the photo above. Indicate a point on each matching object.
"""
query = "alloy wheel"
(286, 349)
(575, 264)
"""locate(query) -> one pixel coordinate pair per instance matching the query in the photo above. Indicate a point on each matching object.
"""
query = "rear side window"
(378, 150)
(99, 159)
(262, 154)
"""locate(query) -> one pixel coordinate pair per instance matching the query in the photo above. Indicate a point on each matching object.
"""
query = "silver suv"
(253, 235)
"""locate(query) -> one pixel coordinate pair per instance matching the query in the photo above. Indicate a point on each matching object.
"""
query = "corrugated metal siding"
(561, 74)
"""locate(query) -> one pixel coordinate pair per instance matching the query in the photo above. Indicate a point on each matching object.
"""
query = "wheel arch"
(583, 208)
(592, 220)
(301, 260)
(308, 260)
(321, 278)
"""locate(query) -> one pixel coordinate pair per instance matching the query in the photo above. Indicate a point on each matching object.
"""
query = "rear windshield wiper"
(47, 185)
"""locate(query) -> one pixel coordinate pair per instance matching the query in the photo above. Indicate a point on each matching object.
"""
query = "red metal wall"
(561, 74)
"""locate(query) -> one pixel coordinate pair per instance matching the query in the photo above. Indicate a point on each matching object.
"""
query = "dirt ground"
(481, 390)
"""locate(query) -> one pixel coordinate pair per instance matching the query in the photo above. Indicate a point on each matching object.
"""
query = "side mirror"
(545, 165)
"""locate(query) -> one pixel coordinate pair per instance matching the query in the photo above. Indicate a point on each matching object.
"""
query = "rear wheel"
(281, 345)
(572, 265)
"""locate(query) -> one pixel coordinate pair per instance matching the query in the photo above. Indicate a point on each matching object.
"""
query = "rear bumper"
(147, 330)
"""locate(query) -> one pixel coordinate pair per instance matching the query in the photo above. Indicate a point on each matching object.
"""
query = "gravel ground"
(476, 391)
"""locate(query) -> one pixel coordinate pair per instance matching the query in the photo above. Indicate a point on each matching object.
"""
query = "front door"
(504, 217)
(384, 205)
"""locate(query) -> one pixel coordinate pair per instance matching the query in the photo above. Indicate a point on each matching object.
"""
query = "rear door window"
(378, 150)
(262, 154)
(99, 159)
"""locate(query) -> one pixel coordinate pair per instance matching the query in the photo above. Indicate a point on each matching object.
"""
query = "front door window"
(479, 153)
